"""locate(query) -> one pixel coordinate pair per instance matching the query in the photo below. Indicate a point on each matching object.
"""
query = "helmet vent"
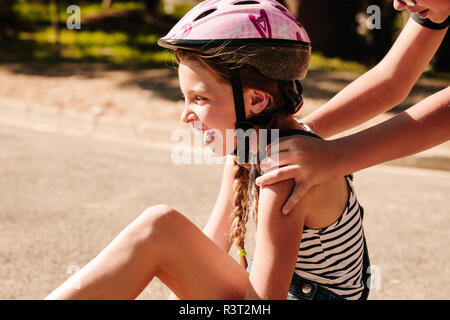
(246, 2)
(204, 14)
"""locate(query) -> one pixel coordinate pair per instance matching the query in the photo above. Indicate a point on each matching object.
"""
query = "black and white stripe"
(333, 256)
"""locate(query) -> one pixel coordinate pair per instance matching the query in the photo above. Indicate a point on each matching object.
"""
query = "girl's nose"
(187, 115)
(399, 5)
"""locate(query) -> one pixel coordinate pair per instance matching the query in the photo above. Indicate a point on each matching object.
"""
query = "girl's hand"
(309, 161)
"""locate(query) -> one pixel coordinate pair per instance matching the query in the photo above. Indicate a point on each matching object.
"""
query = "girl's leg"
(160, 242)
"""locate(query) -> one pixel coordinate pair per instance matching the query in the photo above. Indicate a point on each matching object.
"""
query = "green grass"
(35, 41)
(114, 47)
(180, 9)
(437, 75)
(319, 62)
(40, 12)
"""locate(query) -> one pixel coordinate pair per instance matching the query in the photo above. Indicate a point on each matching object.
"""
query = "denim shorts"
(304, 289)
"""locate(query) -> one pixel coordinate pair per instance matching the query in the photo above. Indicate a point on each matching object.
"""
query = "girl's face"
(435, 10)
(209, 105)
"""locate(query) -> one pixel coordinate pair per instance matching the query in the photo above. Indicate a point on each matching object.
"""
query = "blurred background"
(86, 117)
(122, 32)
(115, 46)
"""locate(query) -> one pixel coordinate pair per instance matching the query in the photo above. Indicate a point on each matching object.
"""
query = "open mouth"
(423, 14)
(207, 135)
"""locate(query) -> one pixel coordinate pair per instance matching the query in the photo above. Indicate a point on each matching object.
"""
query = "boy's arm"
(416, 129)
(382, 87)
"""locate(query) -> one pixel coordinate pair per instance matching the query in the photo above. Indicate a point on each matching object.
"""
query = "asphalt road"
(63, 198)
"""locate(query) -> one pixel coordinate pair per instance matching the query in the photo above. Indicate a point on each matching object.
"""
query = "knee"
(153, 224)
(156, 213)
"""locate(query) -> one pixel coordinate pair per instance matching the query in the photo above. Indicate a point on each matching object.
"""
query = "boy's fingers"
(282, 144)
(277, 175)
(279, 159)
(295, 197)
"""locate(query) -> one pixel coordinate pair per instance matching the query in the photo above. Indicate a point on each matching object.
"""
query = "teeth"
(422, 13)
(208, 136)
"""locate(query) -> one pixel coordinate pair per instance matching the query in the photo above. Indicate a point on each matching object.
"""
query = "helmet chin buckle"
(294, 96)
(244, 125)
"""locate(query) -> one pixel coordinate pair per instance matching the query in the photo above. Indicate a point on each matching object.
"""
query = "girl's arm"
(277, 244)
(219, 223)
(382, 87)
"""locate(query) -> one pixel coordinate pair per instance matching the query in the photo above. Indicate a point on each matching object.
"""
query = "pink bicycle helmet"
(263, 31)
(278, 43)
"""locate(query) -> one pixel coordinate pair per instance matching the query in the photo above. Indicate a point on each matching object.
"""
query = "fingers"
(283, 144)
(282, 153)
(281, 159)
(297, 194)
(277, 175)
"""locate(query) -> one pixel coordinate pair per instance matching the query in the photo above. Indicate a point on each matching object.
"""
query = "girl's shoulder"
(324, 203)
(293, 132)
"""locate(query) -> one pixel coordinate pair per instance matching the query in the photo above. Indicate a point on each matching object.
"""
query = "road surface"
(64, 197)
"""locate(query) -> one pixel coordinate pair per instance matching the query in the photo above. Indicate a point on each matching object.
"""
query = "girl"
(239, 62)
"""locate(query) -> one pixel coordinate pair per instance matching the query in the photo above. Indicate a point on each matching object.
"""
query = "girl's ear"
(258, 100)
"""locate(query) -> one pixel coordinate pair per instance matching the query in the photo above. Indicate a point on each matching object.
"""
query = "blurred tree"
(106, 4)
(54, 9)
(441, 62)
(331, 25)
(378, 41)
(152, 6)
(7, 19)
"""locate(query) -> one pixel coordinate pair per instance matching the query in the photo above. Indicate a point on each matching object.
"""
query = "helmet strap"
(239, 108)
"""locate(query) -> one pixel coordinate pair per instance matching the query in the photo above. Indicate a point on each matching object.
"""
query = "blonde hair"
(246, 192)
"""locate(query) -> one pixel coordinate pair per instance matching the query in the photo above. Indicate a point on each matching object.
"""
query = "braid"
(245, 189)
(240, 212)
(255, 191)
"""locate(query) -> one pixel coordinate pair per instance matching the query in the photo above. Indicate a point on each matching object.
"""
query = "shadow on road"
(163, 81)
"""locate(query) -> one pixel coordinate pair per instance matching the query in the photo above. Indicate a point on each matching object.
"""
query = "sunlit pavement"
(64, 197)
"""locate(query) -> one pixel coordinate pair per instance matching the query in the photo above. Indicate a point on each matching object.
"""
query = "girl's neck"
(287, 123)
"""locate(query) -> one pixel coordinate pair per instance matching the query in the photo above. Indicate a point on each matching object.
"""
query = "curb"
(50, 119)
(16, 113)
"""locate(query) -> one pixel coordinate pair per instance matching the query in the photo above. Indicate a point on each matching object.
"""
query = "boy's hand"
(309, 161)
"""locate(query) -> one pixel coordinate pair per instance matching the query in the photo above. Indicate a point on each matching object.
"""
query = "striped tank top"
(333, 256)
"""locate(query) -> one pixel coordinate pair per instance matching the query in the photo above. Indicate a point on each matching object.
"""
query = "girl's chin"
(218, 149)
(436, 18)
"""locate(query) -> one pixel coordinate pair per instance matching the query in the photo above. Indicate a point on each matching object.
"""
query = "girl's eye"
(200, 99)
